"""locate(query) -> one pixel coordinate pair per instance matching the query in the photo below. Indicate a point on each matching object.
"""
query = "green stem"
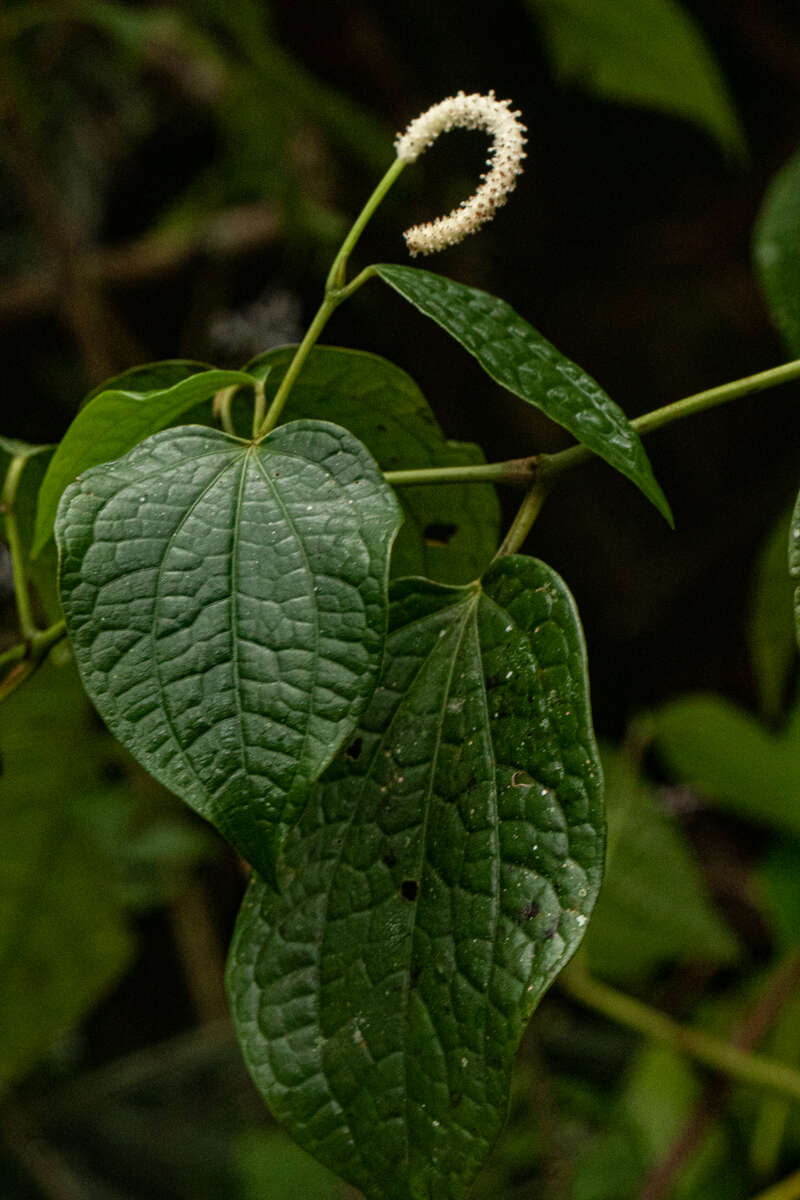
(328, 306)
(523, 522)
(336, 290)
(712, 1051)
(516, 470)
(689, 406)
(27, 625)
(222, 408)
(259, 407)
(787, 1189)
(26, 657)
(336, 275)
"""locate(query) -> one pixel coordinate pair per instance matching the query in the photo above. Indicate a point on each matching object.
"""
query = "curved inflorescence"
(504, 162)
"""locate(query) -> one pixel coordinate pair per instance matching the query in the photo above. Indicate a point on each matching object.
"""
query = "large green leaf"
(116, 420)
(450, 531)
(794, 562)
(514, 354)
(653, 907)
(776, 248)
(226, 602)
(644, 52)
(63, 936)
(441, 875)
(732, 759)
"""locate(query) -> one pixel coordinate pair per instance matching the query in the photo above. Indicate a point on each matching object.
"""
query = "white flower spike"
(504, 163)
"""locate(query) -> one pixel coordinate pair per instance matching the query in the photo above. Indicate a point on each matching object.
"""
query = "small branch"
(779, 990)
(325, 310)
(336, 275)
(223, 235)
(27, 625)
(221, 408)
(27, 657)
(515, 470)
(201, 955)
(523, 522)
(555, 464)
(142, 1067)
(42, 1162)
(712, 1051)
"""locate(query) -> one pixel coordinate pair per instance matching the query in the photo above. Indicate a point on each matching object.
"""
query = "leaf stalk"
(27, 625)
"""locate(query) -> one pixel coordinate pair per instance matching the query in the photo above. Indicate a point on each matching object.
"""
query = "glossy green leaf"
(644, 52)
(771, 629)
(440, 877)
(116, 420)
(514, 354)
(63, 937)
(653, 908)
(776, 249)
(226, 602)
(150, 377)
(451, 531)
(732, 759)
(794, 563)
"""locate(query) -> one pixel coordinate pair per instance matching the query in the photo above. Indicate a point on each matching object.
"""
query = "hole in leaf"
(354, 749)
(438, 534)
(528, 911)
(414, 975)
(409, 889)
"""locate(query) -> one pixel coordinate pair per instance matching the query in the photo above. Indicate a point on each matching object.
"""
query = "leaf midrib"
(169, 542)
(470, 603)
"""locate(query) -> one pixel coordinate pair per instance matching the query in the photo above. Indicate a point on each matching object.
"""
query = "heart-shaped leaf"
(226, 602)
(116, 419)
(450, 530)
(514, 354)
(441, 875)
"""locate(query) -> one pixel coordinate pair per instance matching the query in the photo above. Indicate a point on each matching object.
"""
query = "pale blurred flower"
(504, 163)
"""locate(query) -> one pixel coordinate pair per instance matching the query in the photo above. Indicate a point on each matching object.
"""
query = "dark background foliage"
(174, 182)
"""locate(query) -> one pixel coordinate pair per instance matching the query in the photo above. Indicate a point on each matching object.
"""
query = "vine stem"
(515, 470)
(712, 1051)
(336, 275)
(523, 522)
(25, 657)
(27, 625)
(547, 467)
(325, 310)
(336, 290)
(689, 406)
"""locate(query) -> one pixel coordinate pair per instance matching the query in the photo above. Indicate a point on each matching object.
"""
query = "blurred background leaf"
(645, 52)
(653, 907)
